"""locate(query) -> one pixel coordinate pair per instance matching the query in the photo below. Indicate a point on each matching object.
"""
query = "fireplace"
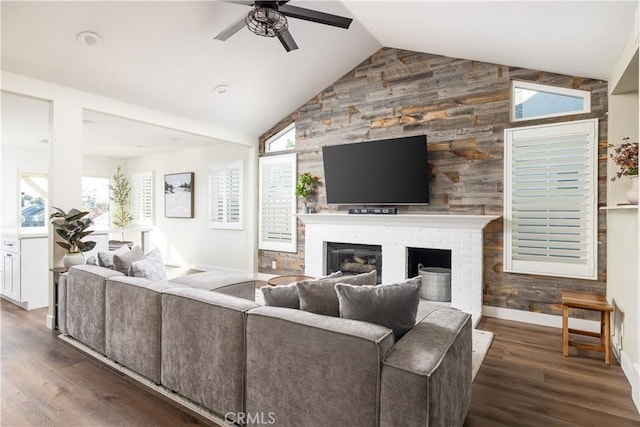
(352, 258)
(460, 234)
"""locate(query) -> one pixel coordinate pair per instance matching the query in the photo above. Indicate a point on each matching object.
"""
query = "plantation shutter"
(277, 223)
(142, 197)
(551, 199)
(225, 190)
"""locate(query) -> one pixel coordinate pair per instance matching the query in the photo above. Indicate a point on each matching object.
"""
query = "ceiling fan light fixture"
(266, 22)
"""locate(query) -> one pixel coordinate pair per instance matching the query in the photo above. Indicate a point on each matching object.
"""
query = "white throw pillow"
(150, 267)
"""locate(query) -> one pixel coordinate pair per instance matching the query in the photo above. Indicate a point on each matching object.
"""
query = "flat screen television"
(385, 172)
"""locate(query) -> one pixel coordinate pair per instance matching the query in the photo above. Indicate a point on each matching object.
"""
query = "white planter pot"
(632, 194)
(73, 258)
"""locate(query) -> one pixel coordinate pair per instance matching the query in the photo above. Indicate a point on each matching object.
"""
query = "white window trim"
(136, 220)
(225, 168)
(517, 84)
(272, 138)
(590, 269)
(287, 160)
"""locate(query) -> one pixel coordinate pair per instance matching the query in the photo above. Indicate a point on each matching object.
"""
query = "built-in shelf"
(619, 207)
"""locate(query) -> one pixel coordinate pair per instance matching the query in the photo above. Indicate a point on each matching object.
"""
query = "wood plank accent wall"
(463, 108)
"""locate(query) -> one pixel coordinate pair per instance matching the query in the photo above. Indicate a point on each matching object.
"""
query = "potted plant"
(120, 193)
(72, 227)
(625, 156)
(305, 188)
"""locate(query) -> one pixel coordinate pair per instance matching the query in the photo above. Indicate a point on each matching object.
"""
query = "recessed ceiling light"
(221, 89)
(88, 122)
(89, 38)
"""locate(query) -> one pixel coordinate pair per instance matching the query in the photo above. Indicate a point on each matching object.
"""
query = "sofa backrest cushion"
(394, 306)
(85, 303)
(313, 370)
(203, 347)
(133, 315)
(319, 296)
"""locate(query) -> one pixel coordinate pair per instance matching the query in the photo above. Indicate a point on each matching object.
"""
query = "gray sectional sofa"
(202, 336)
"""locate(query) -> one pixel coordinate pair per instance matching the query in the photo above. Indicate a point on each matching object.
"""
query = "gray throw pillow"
(287, 295)
(281, 296)
(394, 306)
(151, 267)
(122, 262)
(105, 258)
(319, 296)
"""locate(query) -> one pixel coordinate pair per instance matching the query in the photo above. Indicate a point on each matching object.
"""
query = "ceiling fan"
(269, 19)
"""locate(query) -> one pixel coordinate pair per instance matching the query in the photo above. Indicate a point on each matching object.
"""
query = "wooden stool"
(588, 301)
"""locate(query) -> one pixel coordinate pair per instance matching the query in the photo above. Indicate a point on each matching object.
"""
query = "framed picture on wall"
(178, 195)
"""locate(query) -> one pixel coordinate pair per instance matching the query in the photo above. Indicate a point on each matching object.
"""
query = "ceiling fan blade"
(246, 3)
(315, 16)
(287, 41)
(231, 29)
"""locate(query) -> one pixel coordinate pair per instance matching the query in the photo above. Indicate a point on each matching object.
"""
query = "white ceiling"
(162, 55)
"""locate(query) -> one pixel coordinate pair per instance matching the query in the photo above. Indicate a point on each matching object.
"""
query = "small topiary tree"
(120, 194)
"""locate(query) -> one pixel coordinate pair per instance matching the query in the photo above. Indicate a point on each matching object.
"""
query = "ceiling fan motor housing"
(265, 20)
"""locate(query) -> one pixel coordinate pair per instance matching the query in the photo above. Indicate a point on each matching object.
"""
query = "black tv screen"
(385, 172)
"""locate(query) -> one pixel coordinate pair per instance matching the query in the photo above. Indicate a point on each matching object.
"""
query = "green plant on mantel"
(120, 193)
(626, 157)
(72, 227)
(306, 186)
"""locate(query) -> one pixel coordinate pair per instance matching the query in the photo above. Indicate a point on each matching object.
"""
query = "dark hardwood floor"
(524, 381)
(46, 382)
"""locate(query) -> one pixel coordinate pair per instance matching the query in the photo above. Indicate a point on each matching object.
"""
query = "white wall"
(189, 241)
(100, 166)
(623, 238)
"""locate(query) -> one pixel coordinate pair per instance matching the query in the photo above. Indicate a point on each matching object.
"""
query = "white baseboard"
(538, 318)
(50, 321)
(632, 372)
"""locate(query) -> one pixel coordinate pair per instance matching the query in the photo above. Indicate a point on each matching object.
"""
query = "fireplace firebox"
(351, 259)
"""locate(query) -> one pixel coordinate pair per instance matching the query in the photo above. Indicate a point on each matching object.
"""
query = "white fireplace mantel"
(466, 222)
(461, 234)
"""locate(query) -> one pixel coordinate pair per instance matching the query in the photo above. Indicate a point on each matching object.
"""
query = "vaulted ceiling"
(162, 55)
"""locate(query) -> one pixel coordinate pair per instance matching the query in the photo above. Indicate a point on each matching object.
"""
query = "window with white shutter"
(276, 212)
(225, 195)
(142, 197)
(550, 213)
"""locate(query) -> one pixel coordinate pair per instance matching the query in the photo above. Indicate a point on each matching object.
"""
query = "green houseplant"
(72, 228)
(120, 194)
(305, 188)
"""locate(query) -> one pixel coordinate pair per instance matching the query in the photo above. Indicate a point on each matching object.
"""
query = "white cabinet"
(25, 278)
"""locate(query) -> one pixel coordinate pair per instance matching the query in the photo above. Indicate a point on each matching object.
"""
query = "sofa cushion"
(122, 262)
(394, 306)
(319, 296)
(287, 295)
(151, 267)
(105, 258)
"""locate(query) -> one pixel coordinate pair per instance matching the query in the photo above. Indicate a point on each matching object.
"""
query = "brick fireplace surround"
(462, 234)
